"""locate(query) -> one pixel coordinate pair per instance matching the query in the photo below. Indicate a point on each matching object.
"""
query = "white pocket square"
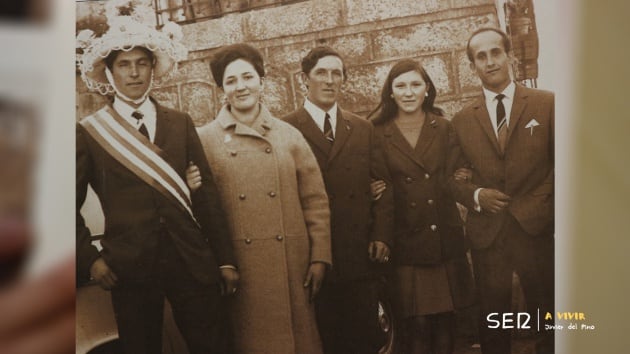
(532, 123)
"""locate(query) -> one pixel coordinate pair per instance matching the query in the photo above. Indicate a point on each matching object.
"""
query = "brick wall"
(371, 34)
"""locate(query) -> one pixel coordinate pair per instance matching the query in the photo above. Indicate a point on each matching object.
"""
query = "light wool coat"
(278, 213)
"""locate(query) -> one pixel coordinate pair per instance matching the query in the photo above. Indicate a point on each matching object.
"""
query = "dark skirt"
(431, 289)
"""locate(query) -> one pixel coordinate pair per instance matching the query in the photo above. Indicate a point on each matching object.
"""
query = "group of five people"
(294, 220)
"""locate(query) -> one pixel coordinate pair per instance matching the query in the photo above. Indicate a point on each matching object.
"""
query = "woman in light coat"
(276, 203)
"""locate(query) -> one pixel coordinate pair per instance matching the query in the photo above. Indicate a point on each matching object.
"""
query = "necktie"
(143, 129)
(502, 128)
(328, 132)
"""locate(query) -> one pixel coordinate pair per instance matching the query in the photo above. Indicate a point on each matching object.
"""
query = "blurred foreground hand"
(36, 315)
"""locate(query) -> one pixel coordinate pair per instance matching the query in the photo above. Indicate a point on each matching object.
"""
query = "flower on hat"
(173, 31)
(84, 38)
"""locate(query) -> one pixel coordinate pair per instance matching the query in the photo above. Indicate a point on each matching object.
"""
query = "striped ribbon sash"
(134, 151)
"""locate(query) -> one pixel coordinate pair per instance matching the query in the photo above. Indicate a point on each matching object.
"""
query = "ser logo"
(508, 320)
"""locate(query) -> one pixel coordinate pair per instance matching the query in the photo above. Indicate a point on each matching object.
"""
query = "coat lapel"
(342, 133)
(428, 133)
(483, 117)
(518, 106)
(395, 137)
(162, 124)
(311, 132)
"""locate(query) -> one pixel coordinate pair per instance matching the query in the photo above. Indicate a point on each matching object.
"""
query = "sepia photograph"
(314, 177)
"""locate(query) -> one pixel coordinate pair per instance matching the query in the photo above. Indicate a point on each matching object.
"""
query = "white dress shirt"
(491, 105)
(319, 115)
(492, 101)
(147, 108)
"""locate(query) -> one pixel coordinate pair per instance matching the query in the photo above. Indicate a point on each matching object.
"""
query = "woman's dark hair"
(230, 53)
(387, 108)
(111, 58)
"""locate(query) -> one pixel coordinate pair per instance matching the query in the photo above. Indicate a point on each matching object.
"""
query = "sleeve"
(383, 208)
(206, 202)
(462, 191)
(86, 253)
(314, 200)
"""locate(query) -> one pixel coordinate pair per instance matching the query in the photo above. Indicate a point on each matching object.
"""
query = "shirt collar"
(508, 92)
(319, 113)
(125, 110)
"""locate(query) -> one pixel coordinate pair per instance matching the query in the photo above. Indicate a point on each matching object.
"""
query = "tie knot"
(500, 97)
(137, 115)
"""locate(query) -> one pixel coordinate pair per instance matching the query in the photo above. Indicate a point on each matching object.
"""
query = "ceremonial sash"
(134, 151)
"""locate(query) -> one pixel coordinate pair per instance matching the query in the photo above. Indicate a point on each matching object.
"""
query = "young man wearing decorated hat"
(161, 240)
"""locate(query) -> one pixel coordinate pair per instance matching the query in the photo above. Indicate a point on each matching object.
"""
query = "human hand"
(193, 177)
(377, 187)
(463, 174)
(230, 279)
(315, 278)
(492, 200)
(378, 251)
(38, 316)
(101, 272)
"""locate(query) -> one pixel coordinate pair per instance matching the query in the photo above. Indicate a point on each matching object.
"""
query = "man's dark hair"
(311, 59)
(109, 60)
(230, 53)
(507, 45)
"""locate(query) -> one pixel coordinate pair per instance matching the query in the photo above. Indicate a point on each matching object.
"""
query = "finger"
(222, 287)
(26, 303)
(380, 255)
(371, 250)
(308, 279)
(317, 284)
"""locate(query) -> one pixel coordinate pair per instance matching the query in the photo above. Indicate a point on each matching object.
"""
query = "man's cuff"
(227, 266)
(476, 198)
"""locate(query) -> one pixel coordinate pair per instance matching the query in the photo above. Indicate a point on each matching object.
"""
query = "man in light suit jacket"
(361, 228)
(160, 240)
(507, 138)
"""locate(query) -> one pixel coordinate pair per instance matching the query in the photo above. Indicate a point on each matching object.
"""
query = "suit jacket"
(525, 171)
(428, 227)
(348, 165)
(136, 214)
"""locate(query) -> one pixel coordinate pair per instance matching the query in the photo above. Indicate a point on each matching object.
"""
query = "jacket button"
(412, 204)
(408, 180)
(268, 150)
(233, 153)
(272, 194)
(426, 176)
(241, 197)
(279, 238)
(430, 201)
(248, 241)
(434, 227)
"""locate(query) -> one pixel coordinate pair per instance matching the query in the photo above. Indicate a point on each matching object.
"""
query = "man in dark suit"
(507, 138)
(361, 228)
(160, 241)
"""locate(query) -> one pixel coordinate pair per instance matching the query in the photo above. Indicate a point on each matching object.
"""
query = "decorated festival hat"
(127, 30)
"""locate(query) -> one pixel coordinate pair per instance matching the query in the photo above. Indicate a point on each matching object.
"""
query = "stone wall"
(370, 34)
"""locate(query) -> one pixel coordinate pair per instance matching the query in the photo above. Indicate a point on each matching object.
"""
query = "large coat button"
(272, 194)
(248, 241)
(408, 180)
(242, 197)
(268, 150)
(279, 238)
(427, 176)
(430, 201)
(434, 227)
